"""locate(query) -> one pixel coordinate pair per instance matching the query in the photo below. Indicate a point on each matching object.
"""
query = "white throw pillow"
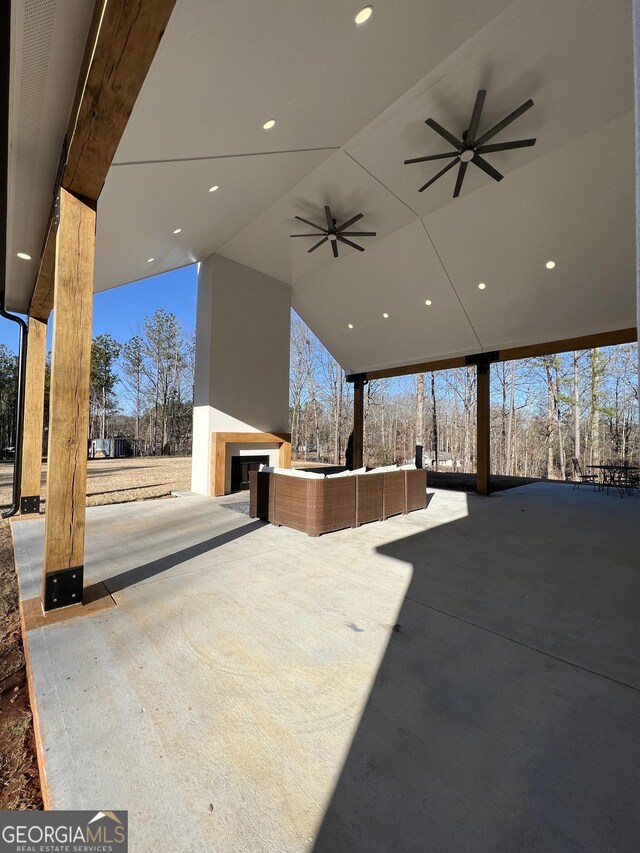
(293, 472)
(339, 474)
(359, 471)
(383, 469)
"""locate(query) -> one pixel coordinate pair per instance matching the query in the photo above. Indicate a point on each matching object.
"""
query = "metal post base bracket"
(29, 504)
(63, 588)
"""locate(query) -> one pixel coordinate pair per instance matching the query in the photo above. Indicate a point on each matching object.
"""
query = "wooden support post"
(358, 422)
(63, 564)
(33, 417)
(483, 442)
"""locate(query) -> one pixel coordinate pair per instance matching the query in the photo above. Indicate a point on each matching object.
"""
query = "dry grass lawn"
(113, 481)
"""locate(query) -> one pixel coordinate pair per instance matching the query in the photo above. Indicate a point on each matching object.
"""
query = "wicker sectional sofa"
(317, 506)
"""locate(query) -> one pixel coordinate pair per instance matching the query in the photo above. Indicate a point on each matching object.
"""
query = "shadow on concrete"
(163, 564)
(498, 720)
(127, 489)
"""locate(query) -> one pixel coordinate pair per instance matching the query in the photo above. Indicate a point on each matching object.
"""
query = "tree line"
(142, 388)
(545, 412)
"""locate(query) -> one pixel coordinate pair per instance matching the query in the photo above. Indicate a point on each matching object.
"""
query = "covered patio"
(462, 678)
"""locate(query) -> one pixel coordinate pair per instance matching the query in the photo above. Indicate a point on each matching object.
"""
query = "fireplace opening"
(240, 467)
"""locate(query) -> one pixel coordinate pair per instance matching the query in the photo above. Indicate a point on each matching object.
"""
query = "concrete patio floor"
(464, 678)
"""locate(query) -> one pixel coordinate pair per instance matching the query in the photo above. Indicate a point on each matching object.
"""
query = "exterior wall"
(242, 358)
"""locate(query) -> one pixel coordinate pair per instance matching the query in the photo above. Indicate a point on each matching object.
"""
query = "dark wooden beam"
(358, 423)
(483, 426)
(600, 339)
(123, 40)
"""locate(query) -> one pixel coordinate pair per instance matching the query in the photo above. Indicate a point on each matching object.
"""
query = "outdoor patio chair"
(581, 478)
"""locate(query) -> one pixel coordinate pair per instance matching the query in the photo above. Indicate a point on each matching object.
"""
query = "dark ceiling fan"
(471, 147)
(334, 233)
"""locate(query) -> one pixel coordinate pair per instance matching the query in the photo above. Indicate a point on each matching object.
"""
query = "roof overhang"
(350, 105)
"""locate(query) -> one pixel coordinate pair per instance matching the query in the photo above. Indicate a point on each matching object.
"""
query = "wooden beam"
(423, 367)
(33, 417)
(483, 427)
(69, 405)
(123, 40)
(600, 339)
(358, 423)
(219, 441)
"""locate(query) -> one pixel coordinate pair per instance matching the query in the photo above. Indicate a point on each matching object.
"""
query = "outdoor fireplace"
(240, 467)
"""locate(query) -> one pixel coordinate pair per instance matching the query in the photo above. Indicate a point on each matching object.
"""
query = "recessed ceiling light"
(363, 15)
(24, 256)
(550, 265)
(427, 302)
(177, 231)
(351, 325)
(269, 124)
(482, 285)
(214, 188)
(150, 260)
(385, 315)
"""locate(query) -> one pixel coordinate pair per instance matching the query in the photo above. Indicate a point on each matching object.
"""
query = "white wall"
(242, 358)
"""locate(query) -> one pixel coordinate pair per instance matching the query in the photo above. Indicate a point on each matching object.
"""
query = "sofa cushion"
(294, 472)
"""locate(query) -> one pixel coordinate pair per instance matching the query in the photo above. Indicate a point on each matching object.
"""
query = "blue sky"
(121, 311)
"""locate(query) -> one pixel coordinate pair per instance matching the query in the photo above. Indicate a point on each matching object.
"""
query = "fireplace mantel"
(220, 440)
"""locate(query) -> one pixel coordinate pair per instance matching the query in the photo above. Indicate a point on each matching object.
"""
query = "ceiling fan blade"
(460, 179)
(481, 163)
(320, 228)
(349, 243)
(475, 118)
(313, 248)
(439, 175)
(313, 234)
(505, 121)
(443, 132)
(334, 248)
(357, 234)
(349, 222)
(506, 146)
(431, 157)
(327, 213)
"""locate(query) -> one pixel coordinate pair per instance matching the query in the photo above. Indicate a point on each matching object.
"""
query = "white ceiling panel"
(572, 58)
(47, 46)
(394, 276)
(576, 206)
(266, 244)
(225, 67)
(141, 206)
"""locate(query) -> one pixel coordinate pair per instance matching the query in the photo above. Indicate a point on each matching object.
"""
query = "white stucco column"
(242, 358)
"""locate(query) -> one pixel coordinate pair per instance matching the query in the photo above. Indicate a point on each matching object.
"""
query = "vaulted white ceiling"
(350, 103)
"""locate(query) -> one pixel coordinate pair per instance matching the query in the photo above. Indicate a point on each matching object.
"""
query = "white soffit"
(141, 206)
(396, 276)
(576, 206)
(47, 45)
(573, 58)
(223, 68)
(266, 244)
